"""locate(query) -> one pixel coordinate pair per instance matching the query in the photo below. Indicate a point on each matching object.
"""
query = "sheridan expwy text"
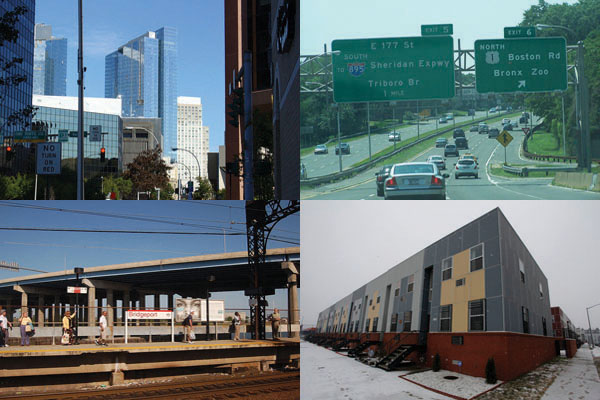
(410, 64)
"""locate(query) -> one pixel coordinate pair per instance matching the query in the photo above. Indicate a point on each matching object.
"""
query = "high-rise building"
(49, 63)
(16, 98)
(144, 73)
(192, 136)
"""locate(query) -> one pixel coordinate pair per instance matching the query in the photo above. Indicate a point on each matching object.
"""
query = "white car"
(415, 180)
(437, 160)
(505, 121)
(466, 167)
(394, 137)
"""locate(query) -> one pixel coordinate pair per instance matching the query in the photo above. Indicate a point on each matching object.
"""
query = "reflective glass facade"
(144, 73)
(50, 64)
(112, 132)
(16, 98)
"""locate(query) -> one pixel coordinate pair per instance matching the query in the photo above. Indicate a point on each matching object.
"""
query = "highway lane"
(323, 164)
(486, 187)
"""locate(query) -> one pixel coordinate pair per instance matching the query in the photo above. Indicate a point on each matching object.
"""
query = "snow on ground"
(328, 375)
(465, 386)
(578, 380)
(595, 351)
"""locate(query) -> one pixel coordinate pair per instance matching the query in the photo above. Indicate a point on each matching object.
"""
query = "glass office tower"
(50, 63)
(144, 73)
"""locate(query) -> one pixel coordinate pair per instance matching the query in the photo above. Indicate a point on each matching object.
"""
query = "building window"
(522, 270)
(477, 315)
(378, 298)
(407, 321)
(541, 291)
(394, 323)
(525, 313)
(446, 318)
(396, 292)
(447, 269)
(544, 326)
(477, 257)
(460, 282)
(411, 283)
(458, 340)
(375, 323)
(367, 325)
(370, 301)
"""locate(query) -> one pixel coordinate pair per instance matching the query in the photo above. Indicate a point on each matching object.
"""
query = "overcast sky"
(345, 244)
(323, 21)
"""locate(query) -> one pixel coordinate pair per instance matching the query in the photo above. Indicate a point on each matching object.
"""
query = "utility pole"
(248, 135)
(80, 154)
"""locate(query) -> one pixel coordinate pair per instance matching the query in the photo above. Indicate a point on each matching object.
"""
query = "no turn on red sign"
(48, 158)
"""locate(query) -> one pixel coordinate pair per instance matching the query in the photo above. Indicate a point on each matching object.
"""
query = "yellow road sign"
(504, 138)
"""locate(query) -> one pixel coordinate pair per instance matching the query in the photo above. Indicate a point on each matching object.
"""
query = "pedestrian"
(26, 327)
(4, 324)
(275, 319)
(103, 330)
(67, 322)
(188, 326)
(237, 320)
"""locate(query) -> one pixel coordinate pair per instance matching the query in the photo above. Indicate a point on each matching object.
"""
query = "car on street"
(474, 128)
(505, 121)
(449, 117)
(492, 110)
(461, 143)
(466, 167)
(321, 149)
(509, 108)
(443, 120)
(498, 108)
(415, 180)
(523, 120)
(345, 148)
(483, 127)
(450, 149)
(438, 161)
(380, 178)
(441, 142)
(493, 133)
(458, 133)
(507, 127)
(303, 173)
(469, 156)
(471, 112)
(394, 137)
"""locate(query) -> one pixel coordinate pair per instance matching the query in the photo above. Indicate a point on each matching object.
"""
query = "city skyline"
(49, 62)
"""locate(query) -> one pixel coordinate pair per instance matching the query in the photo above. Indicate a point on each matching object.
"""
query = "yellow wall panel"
(447, 292)
(476, 284)
(460, 316)
(373, 310)
(460, 264)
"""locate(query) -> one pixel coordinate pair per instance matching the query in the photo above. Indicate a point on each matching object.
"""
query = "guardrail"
(524, 171)
(319, 180)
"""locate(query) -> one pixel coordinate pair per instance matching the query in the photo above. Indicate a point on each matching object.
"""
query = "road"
(324, 164)
(486, 187)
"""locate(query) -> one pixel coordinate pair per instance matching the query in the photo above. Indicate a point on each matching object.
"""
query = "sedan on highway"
(458, 133)
(380, 177)
(505, 121)
(474, 128)
(493, 133)
(466, 167)
(438, 161)
(394, 137)
(321, 149)
(345, 148)
(443, 120)
(415, 180)
(450, 149)
(483, 127)
(441, 142)
(461, 143)
(508, 127)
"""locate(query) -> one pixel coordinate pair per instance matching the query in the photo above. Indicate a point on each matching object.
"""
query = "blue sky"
(52, 251)
(109, 24)
(323, 21)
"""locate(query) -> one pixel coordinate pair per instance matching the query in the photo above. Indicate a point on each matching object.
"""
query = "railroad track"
(220, 389)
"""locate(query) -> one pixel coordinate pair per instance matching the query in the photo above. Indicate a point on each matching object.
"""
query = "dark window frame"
(472, 306)
(445, 278)
(448, 317)
(477, 263)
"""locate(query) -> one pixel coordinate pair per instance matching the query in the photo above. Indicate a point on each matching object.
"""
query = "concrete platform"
(119, 358)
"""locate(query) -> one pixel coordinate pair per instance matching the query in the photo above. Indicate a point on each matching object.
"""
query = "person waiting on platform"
(4, 324)
(188, 326)
(103, 330)
(67, 322)
(26, 327)
(237, 320)
(275, 319)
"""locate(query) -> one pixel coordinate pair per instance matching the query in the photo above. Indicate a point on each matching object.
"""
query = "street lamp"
(78, 271)
(587, 310)
(199, 169)
(209, 279)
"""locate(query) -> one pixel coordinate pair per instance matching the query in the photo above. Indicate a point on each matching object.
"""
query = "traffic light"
(9, 153)
(102, 154)
(236, 91)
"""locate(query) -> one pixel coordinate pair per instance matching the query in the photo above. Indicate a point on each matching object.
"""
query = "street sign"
(148, 314)
(29, 136)
(95, 133)
(63, 135)
(521, 65)
(525, 131)
(77, 289)
(387, 69)
(504, 138)
(431, 30)
(519, 31)
(48, 158)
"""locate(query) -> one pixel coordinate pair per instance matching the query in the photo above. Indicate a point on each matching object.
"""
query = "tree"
(147, 171)
(204, 190)
(121, 186)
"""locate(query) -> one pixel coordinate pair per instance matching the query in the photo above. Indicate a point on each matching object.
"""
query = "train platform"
(119, 358)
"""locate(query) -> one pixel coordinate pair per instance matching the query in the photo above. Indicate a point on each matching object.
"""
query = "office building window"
(477, 315)
(525, 313)
(460, 282)
(375, 323)
(407, 321)
(477, 257)
(411, 283)
(394, 323)
(447, 268)
(367, 325)
(378, 298)
(522, 270)
(446, 318)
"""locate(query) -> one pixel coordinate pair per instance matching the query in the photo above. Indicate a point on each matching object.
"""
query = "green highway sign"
(519, 31)
(29, 136)
(443, 29)
(521, 65)
(63, 135)
(388, 69)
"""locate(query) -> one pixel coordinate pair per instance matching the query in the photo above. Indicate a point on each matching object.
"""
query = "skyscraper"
(192, 136)
(49, 63)
(144, 73)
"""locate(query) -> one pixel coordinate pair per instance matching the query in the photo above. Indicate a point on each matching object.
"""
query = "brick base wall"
(571, 345)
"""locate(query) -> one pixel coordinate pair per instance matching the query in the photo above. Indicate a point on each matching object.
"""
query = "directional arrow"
(521, 84)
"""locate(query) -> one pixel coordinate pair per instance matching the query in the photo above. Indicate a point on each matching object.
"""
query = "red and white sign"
(525, 131)
(149, 314)
(77, 289)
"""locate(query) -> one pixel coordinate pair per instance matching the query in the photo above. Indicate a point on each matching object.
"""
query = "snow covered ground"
(578, 380)
(327, 375)
(465, 386)
(595, 351)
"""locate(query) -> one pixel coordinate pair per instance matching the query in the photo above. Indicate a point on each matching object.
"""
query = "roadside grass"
(530, 386)
(544, 143)
(496, 170)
